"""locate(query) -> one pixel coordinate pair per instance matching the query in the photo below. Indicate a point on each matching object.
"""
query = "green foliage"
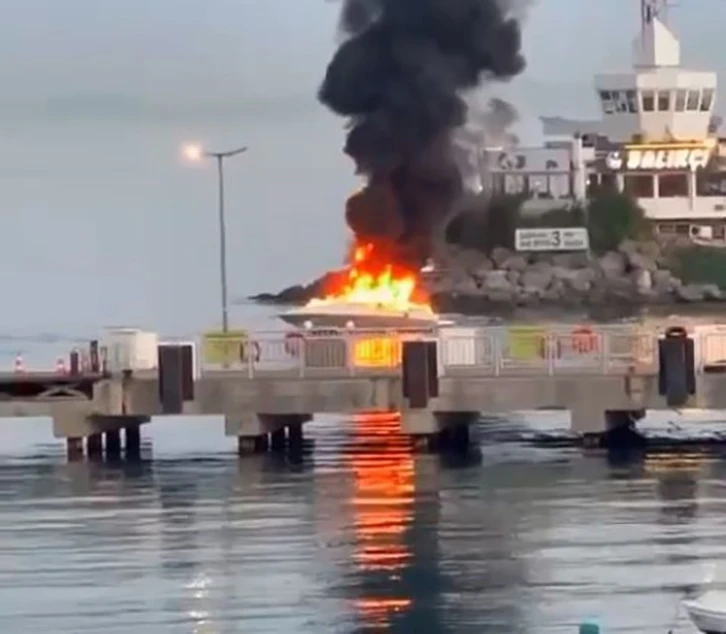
(695, 264)
(485, 223)
(611, 217)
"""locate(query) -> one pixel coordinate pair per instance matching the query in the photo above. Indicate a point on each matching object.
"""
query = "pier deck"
(436, 379)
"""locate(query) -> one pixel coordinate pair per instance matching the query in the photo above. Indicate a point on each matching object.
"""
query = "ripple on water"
(361, 535)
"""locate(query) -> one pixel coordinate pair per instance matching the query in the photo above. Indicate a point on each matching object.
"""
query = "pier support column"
(258, 432)
(295, 436)
(250, 430)
(74, 448)
(94, 446)
(610, 428)
(133, 441)
(251, 445)
(113, 444)
(423, 427)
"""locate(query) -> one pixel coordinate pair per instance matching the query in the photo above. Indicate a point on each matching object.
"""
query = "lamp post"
(196, 153)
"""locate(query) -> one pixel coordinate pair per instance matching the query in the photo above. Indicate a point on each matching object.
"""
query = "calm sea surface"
(360, 535)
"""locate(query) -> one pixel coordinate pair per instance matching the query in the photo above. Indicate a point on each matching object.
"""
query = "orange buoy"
(584, 341)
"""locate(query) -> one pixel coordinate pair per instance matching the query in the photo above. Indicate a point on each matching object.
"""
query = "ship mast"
(650, 9)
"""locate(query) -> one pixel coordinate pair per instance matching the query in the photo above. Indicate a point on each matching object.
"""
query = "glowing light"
(371, 281)
(192, 152)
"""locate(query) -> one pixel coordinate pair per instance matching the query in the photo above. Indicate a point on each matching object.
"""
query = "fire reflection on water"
(383, 469)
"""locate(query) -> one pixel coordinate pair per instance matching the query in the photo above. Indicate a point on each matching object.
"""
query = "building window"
(620, 99)
(664, 101)
(672, 185)
(639, 185)
(632, 99)
(666, 229)
(710, 184)
(707, 99)
(648, 98)
(694, 97)
(608, 103)
(680, 104)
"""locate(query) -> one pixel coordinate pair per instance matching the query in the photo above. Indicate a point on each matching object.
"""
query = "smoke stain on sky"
(400, 76)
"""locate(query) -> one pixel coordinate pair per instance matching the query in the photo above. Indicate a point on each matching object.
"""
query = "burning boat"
(346, 314)
(369, 295)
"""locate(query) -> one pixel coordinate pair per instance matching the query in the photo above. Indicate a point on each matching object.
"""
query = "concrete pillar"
(586, 418)
(458, 438)
(113, 444)
(132, 435)
(94, 445)
(74, 448)
(277, 439)
(423, 427)
(295, 436)
(251, 445)
(622, 432)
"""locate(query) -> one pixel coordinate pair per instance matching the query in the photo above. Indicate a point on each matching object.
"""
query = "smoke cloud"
(399, 77)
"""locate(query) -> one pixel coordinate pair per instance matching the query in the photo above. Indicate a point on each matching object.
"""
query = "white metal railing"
(469, 351)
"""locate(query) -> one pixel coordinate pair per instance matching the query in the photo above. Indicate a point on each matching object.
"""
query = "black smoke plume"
(399, 77)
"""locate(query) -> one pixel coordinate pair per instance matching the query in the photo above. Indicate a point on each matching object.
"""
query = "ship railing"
(485, 351)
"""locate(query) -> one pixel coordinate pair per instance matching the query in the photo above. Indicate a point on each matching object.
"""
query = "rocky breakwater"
(634, 275)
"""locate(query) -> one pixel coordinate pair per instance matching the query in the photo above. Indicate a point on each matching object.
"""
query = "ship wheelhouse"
(656, 138)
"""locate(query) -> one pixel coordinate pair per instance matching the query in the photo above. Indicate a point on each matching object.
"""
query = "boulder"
(514, 276)
(643, 280)
(628, 248)
(641, 261)
(711, 292)
(612, 265)
(500, 255)
(574, 260)
(690, 293)
(582, 280)
(515, 263)
(497, 281)
(535, 279)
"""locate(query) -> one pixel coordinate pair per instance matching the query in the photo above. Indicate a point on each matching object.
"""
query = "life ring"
(584, 341)
(244, 348)
(293, 342)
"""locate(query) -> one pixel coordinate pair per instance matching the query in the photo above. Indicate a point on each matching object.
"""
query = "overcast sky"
(103, 223)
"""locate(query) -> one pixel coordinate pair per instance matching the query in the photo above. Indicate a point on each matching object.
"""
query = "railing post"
(301, 356)
(496, 348)
(350, 352)
(550, 343)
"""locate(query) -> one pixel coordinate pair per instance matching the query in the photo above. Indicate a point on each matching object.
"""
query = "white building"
(656, 139)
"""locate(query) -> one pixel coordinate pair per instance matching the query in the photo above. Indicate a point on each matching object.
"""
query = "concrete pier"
(439, 381)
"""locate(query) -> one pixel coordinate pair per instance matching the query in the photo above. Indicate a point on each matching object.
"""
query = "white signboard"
(568, 239)
(672, 159)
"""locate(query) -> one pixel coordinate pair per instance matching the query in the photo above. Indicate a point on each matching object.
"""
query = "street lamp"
(195, 153)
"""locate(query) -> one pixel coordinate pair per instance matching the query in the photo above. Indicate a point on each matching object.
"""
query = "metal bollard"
(420, 380)
(176, 377)
(75, 363)
(676, 367)
(95, 361)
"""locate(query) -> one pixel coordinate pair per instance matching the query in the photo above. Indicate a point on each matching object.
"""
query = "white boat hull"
(341, 315)
(707, 614)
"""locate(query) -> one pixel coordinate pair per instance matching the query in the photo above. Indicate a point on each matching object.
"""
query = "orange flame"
(369, 281)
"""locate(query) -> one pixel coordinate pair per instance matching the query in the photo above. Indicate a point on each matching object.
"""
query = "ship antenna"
(650, 9)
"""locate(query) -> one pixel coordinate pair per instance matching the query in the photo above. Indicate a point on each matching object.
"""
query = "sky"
(105, 224)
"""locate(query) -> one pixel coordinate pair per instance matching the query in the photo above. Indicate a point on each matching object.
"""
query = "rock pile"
(634, 274)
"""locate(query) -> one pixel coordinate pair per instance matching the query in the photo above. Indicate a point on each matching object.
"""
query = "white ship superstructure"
(657, 139)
